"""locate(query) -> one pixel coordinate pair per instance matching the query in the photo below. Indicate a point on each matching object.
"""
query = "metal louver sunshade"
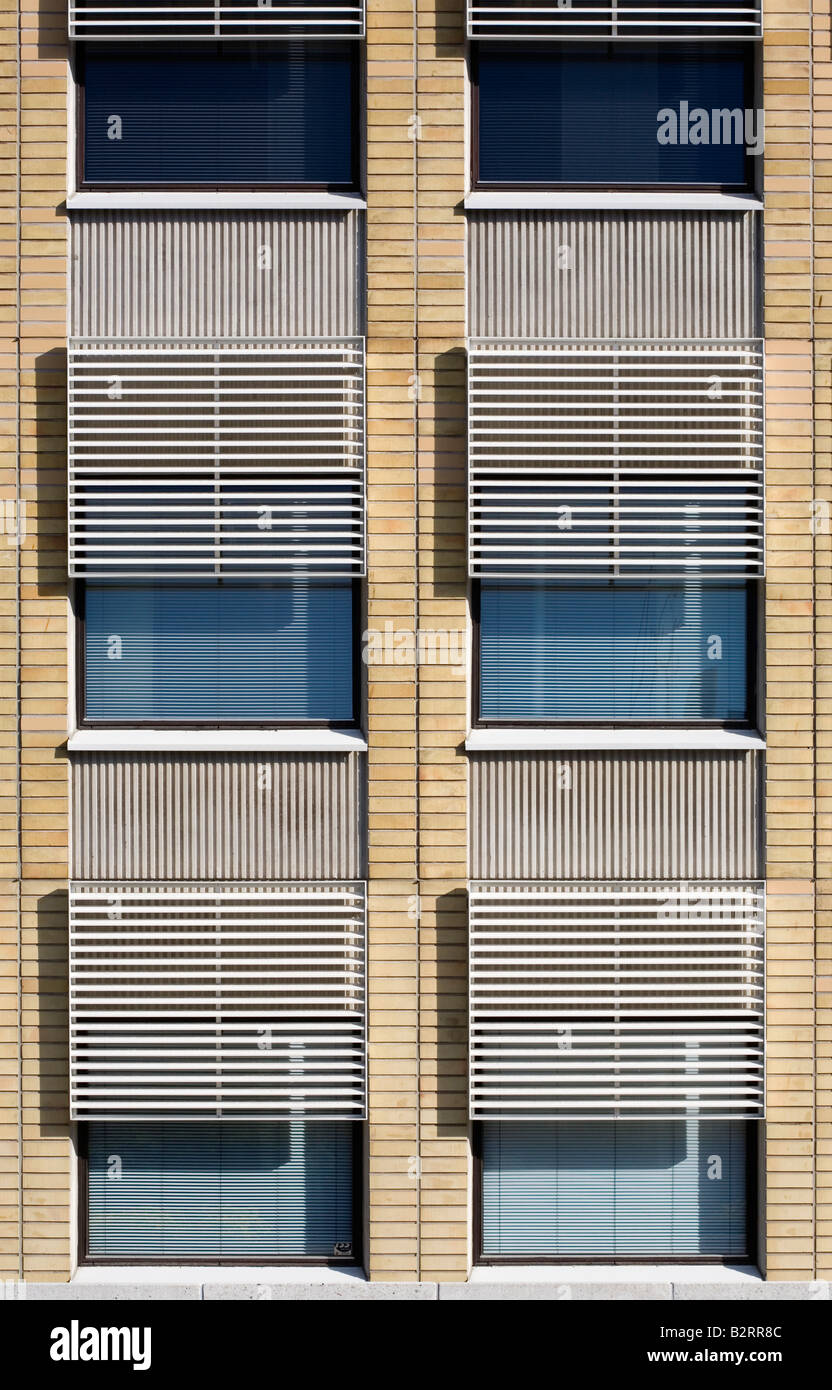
(616, 1000)
(200, 1000)
(622, 19)
(225, 19)
(196, 458)
(615, 459)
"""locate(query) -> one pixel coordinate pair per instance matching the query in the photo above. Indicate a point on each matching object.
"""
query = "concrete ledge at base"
(114, 1292)
(754, 1290)
(356, 1290)
(551, 1290)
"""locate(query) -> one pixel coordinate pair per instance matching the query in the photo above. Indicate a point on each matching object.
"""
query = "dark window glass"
(233, 114)
(588, 114)
(221, 1189)
(219, 653)
(614, 651)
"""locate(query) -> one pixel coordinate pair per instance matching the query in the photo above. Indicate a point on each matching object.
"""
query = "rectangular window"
(219, 1190)
(615, 651)
(589, 114)
(607, 1188)
(219, 653)
(214, 115)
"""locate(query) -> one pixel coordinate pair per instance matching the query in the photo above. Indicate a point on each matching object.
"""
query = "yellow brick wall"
(417, 714)
(393, 926)
(797, 91)
(822, 547)
(443, 712)
(34, 291)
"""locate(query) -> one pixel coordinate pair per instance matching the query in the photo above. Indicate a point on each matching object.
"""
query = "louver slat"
(614, 1000)
(192, 459)
(631, 460)
(192, 1001)
(225, 19)
(623, 19)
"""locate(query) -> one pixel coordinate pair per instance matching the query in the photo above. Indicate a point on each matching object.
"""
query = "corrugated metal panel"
(616, 999)
(192, 999)
(616, 815)
(193, 274)
(601, 274)
(240, 816)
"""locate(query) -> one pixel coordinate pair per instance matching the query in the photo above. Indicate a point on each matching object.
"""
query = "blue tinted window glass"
(240, 115)
(219, 652)
(607, 1187)
(213, 1189)
(588, 114)
(613, 651)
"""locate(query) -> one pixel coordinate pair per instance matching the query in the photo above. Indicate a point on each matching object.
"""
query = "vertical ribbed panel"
(607, 816)
(193, 274)
(239, 816)
(600, 274)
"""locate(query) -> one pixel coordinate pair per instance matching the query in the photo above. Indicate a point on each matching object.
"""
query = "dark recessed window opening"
(220, 115)
(575, 114)
(615, 651)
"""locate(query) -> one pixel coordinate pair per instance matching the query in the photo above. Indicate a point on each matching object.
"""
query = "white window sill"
(614, 201)
(565, 740)
(217, 741)
(159, 200)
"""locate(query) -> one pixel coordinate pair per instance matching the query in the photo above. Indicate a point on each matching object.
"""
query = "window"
(221, 1190)
(615, 651)
(605, 1188)
(219, 653)
(265, 114)
(589, 114)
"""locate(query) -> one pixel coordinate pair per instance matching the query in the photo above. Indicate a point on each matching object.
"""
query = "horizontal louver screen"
(225, 458)
(227, 19)
(196, 1001)
(619, 460)
(616, 999)
(220, 1190)
(587, 19)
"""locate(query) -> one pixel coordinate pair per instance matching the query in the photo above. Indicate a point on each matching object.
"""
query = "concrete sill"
(522, 200)
(621, 740)
(217, 741)
(157, 201)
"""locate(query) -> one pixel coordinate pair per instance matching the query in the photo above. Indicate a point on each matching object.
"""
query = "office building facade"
(417, 602)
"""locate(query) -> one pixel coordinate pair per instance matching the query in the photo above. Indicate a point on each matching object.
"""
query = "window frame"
(357, 88)
(480, 185)
(753, 608)
(79, 606)
(355, 1260)
(753, 1190)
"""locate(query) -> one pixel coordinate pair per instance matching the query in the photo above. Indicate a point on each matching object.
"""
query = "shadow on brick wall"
(43, 447)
